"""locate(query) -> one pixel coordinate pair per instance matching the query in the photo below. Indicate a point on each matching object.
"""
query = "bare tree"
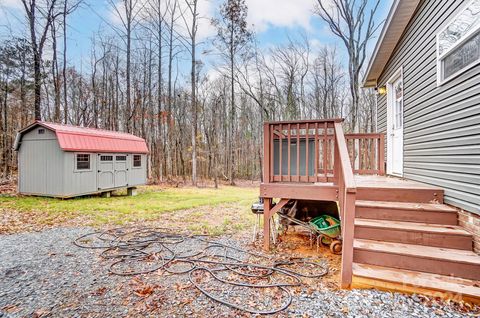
(131, 8)
(192, 28)
(233, 35)
(353, 21)
(39, 27)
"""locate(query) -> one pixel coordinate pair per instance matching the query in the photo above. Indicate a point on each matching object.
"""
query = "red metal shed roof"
(74, 138)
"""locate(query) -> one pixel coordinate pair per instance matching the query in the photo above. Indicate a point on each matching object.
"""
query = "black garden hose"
(153, 249)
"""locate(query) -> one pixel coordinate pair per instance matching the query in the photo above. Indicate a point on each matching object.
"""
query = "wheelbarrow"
(329, 231)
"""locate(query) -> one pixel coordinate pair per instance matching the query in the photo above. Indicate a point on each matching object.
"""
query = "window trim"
(461, 41)
(133, 162)
(75, 169)
(112, 157)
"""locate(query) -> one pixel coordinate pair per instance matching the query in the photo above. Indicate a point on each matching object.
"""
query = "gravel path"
(43, 274)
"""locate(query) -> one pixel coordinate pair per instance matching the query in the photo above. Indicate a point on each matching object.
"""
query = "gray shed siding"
(46, 170)
(40, 164)
(137, 175)
(441, 124)
(79, 182)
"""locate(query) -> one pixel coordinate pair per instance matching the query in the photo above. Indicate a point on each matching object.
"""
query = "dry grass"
(204, 210)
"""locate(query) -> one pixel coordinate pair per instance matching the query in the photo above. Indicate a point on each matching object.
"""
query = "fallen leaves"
(40, 313)
(10, 309)
(100, 291)
(142, 289)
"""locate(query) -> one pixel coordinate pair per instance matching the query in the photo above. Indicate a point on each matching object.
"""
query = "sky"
(274, 22)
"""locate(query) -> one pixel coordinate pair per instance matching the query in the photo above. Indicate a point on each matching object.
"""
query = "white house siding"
(441, 124)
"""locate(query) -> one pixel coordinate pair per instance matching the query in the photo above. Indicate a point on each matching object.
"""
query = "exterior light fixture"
(382, 90)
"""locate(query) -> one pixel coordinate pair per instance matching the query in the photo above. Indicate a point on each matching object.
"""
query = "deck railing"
(319, 151)
(303, 151)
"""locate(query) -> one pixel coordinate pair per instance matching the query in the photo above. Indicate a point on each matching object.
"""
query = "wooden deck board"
(440, 253)
(411, 226)
(409, 280)
(374, 181)
(406, 206)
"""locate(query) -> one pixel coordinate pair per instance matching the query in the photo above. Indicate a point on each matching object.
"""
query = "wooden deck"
(390, 182)
(397, 234)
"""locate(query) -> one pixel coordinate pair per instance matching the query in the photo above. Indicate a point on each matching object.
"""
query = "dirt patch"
(8, 186)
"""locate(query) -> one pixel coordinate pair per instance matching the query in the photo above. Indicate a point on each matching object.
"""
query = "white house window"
(458, 44)
(82, 161)
(41, 131)
(398, 106)
(121, 158)
(137, 161)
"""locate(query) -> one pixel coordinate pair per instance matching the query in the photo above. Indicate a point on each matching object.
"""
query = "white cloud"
(14, 4)
(280, 13)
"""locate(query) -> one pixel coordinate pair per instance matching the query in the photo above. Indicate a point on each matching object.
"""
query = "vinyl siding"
(40, 164)
(80, 182)
(137, 175)
(441, 124)
(46, 170)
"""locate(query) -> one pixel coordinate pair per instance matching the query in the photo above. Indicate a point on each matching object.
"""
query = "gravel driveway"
(43, 274)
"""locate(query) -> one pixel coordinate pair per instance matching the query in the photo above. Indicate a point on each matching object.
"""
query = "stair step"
(448, 236)
(437, 260)
(383, 192)
(431, 213)
(406, 206)
(412, 281)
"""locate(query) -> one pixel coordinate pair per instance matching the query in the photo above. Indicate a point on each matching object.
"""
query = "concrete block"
(132, 192)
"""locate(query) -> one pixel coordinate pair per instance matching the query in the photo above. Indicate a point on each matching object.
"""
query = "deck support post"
(267, 216)
(267, 205)
(348, 228)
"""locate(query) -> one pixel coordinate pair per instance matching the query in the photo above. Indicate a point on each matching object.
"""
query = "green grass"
(150, 203)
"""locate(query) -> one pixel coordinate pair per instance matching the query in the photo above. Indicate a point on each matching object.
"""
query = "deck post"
(267, 205)
(266, 152)
(381, 155)
(348, 228)
(336, 164)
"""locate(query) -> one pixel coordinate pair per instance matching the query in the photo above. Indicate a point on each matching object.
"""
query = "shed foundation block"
(132, 192)
(106, 194)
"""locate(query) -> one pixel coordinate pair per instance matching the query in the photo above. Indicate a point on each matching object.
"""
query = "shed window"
(137, 161)
(41, 131)
(121, 158)
(83, 161)
(106, 158)
(458, 44)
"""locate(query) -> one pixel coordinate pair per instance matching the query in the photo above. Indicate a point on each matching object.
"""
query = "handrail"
(346, 166)
(343, 176)
(306, 121)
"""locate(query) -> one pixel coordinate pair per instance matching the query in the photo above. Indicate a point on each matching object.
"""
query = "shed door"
(106, 170)
(120, 172)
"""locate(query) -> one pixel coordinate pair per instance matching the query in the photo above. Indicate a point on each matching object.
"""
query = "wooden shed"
(66, 161)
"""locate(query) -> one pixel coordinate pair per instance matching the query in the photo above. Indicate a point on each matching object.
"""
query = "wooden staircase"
(407, 240)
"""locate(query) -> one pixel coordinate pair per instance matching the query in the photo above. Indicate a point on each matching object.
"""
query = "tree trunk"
(64, 70)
